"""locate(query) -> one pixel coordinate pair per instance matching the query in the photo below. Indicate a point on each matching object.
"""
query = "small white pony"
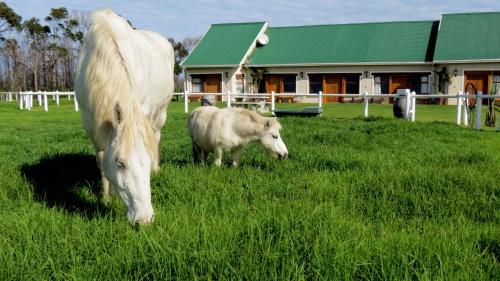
(229, 130)
(124, 82)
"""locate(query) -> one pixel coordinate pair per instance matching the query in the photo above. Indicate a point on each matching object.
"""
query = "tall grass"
(371, 199)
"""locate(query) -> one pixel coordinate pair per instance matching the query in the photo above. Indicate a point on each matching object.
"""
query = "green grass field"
(375, 199)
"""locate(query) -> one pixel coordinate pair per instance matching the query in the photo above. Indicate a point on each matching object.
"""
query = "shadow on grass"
(67, 181)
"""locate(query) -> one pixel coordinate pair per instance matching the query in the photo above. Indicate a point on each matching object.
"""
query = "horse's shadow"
(67, 181)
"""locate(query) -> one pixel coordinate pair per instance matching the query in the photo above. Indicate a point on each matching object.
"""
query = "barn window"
(315, 84)
(289, 84)
(382, 84)
(352, 84)
(420, 84)
(496, 84)
(197, 85)
(239, 86)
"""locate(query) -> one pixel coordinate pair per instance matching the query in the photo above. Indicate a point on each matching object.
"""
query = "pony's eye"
(275, 137)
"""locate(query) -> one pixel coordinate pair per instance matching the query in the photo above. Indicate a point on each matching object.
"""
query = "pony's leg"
(105, 181)
(196, 153)
(205, 156)
(235, 156)
(218, 156)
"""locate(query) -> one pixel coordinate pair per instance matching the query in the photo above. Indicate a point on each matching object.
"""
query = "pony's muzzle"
(283, 156)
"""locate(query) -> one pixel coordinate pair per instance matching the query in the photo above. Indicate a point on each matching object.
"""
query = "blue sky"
(179, 19)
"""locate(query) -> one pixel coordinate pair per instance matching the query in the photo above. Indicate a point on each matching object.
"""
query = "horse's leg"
(159, 122)
(156, 157)
(218, 156)
(235, 156)
(105, 181)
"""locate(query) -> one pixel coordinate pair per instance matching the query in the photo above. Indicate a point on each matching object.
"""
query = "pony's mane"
(110, 82)
(254, 117)
(257, 122)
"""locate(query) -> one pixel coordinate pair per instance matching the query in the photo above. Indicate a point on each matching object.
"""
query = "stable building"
(468, 48)
(376, 58)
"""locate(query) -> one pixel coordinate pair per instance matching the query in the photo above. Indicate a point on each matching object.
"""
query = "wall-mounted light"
(226, 74)
(456, 72)
(366, 73)
(301, 74)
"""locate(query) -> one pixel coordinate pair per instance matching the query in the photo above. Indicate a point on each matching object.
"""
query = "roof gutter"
(211, 66)
(468, 61)
(341, 64)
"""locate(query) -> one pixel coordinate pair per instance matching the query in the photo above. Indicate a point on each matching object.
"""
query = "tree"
(190, 42)
(256, 73)
(36, 35)
(8, 19)
(64, 35)
(180, 52)
(40, 54)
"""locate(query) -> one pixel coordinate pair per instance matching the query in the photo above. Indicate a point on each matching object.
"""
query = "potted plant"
(443, 79)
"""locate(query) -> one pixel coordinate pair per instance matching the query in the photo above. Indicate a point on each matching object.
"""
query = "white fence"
(8, 96)
(461, 112)
(26, 99)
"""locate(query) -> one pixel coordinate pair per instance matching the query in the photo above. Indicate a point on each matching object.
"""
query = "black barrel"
(399, 106)
(207, 100)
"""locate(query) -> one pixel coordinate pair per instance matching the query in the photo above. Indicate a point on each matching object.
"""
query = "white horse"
(124, 82)
(229, 130)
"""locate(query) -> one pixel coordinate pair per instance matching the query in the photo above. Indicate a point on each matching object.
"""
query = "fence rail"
(411, 97)
(463, 101)
(26, 99)
(8, 96)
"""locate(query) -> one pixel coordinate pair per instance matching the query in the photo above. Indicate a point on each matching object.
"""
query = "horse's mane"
(109, 81)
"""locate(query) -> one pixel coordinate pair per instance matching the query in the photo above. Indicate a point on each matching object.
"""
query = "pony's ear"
(269, 122)
(117, 115)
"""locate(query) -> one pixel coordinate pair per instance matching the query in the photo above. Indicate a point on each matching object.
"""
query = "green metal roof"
(224, 44)
(470, 36)
(349, 43)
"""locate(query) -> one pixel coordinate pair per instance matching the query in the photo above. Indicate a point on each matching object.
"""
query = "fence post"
(408, 103)
(365, 96)
(185, 102)
(228, 98)
(459, 108)
(30, 100)
(465, 103)
(272, 102)
(21, 105)
(57, 97)
(320, 99)
(10, 96)
(39, 98)
(75, 103)
(45, 103)
(69, 97)
(498, 120)
(413, 105)
(479, 105)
